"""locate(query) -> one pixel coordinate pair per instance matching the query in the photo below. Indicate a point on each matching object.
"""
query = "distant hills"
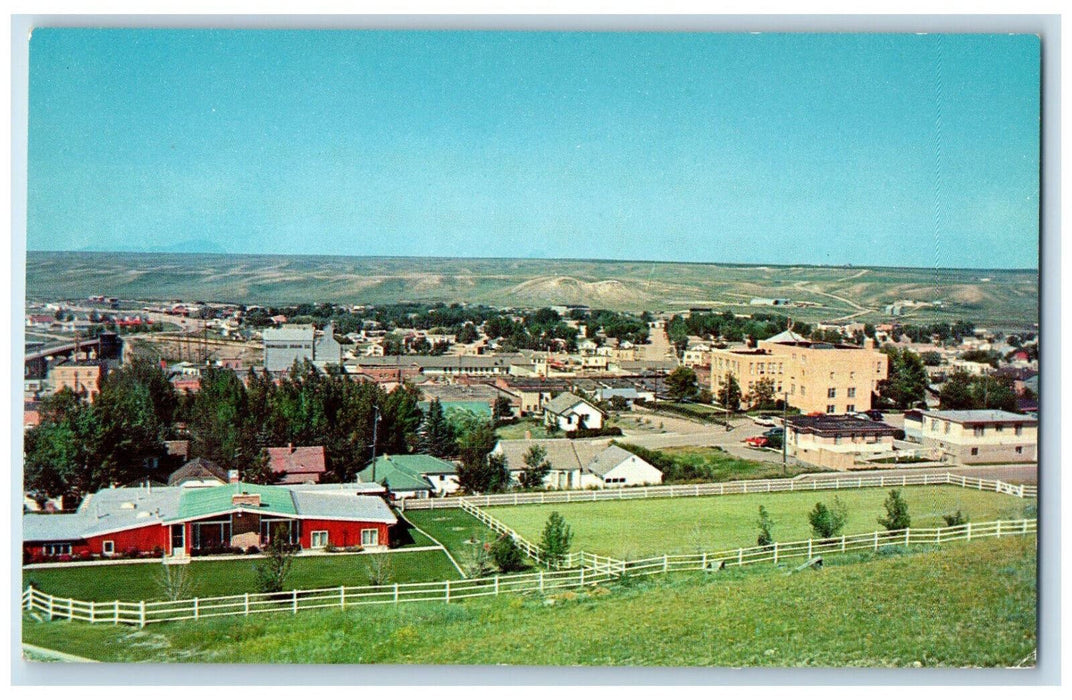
(1004, 298)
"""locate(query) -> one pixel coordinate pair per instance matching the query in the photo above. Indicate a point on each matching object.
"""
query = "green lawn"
(967, 604)
(133, 582)
(706, 464)
(516, 431)
(452, 527)
(636, 528)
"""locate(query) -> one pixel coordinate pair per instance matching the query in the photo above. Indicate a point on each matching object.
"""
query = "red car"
(756, 441)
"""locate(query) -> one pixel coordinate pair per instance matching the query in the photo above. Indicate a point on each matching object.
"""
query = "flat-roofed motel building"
(815, 377)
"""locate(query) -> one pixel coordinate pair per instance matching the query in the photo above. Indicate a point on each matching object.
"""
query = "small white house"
(615, 468)
(570, 412)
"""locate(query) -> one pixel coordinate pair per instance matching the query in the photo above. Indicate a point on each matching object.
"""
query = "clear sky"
(768, 148)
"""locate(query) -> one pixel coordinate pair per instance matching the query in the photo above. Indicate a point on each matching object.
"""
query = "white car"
(764, 421)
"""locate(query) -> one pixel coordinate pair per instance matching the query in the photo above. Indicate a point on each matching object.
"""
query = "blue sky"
(769, 148)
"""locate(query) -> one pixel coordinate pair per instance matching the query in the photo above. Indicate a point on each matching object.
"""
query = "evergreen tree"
(764, 524)
(437, 435)
(681, 384)
(556, 540)
(827, 522)
(897, 517)
(906, 383)
(730, 394)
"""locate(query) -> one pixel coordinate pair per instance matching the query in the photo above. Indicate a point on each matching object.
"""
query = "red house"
(179, 521)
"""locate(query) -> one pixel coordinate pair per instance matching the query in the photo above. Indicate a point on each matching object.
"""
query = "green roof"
(199, 502)
(480, 408)
(403, 472)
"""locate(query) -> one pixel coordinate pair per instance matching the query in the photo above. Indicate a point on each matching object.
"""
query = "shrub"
(272, 572)
(897, 517)
(764, 524)
(827, 522)
(253, 550)
(507, 555)
(556, 540)
(378, 568)
(953, 519)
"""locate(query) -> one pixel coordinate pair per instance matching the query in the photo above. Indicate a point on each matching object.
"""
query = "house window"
(831, 408)
(803, 390)
(852, 375)
(947, 429)
(370, 537)
(319, 539)
(979, 430)
(999, 428)
(108, 547)
(1019, 430)
(58, 549)
(850, 408)
(831, 393)
(1019, 450)
(974, 451)
(852, 392)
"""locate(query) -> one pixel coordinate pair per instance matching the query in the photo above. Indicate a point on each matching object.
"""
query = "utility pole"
(375, 432)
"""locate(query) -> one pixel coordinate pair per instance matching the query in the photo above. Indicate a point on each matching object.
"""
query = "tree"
(272, 571)
(762, 395)
(764, 524)
(475, 558)
(907, 380)
(536, 468)
(827, 522)
(897, 517)
(962, 391)
(484, 474)
(618, 403)
(507, 555)
(437, 435)
(378, 568)
(730, 394)
(955, 394)
(467, 334)
(931, 358)
(503, 409)
(681, 384)
(61, 454)
(556, 540)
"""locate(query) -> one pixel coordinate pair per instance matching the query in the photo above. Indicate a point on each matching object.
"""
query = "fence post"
(294, 600)
(541, 580)
(666, 563)
(497, 584)
(998, 533)
(246, 601)
(906, 536)
(396, 591)
(776, 553)
(50, 599)
(843, 544)
(969, 531)
(876, 540)
(703, 562)
(446, 588)
(938, 536)
(582, 577)
(740, 556)
(142, 614)
(342, 597)
(1024, 526)
(809, 548)
(92, 612)
(116, 621)
(196, 613)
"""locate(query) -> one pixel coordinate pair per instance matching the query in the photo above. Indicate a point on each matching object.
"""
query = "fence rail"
(724, 489)
(591, 569)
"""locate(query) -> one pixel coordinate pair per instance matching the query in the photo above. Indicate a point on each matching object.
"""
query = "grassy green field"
(706, 464)
(629, 529)
(967, 604)
(133, 582)
(452, 527)
(995, 298)
(516, 431)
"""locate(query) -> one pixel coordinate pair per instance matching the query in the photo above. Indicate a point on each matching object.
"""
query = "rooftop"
(839, 424)
(980, 416)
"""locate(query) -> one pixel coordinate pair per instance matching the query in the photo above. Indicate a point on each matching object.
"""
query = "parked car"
(756, 441)
(873, 414)
(765, 421)
(774, 432)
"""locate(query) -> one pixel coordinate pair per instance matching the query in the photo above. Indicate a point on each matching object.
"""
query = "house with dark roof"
(835, 441)
(412, 476)
(297, 465)
(179, 521)
(198, 472)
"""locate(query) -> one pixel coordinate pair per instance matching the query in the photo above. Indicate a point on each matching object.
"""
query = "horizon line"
(534, 259)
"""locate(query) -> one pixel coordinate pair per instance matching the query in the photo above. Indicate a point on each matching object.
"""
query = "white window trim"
(108, 547)
(313, 538)
(375, 537)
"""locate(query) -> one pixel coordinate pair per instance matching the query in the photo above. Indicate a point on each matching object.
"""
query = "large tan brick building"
(815, 377)
(81, 378)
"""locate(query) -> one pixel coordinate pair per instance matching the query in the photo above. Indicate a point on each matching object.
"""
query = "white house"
(615, 467)
(569, 412)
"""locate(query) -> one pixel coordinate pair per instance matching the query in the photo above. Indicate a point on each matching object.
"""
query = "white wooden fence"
(724, 489)
(593, 569)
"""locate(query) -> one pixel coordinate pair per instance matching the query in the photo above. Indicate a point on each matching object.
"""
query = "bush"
(556, 540)
(953, 519)
(828, 522)
(897, 517)
(593, 432)
(507, 555)
(253, 550)
(764, 524)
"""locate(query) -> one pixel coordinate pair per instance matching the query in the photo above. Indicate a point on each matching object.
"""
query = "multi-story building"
(83, 378)
(814, 377)
(296, 342)
(973, 437)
